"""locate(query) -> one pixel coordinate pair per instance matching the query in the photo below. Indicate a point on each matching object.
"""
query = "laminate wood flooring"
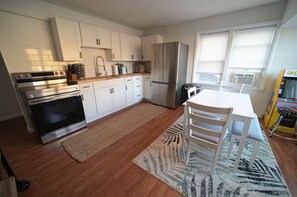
(53, 172)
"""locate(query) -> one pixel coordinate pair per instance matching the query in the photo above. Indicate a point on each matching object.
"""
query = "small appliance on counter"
(122, 69)
(115, 69)
(76, 71)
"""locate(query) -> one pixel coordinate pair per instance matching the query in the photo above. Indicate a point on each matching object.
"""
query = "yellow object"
(271, 114)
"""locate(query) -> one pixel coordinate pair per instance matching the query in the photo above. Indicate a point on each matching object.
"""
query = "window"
(211, 56)
(238, 55)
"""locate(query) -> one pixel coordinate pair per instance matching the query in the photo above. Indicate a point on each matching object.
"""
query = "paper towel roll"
(115, 70)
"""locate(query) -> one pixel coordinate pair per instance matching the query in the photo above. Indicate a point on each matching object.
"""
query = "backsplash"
(89, 60)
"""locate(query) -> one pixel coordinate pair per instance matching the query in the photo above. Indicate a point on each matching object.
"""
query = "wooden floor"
(53, 172)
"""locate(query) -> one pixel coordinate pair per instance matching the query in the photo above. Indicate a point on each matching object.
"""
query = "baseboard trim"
(3, 118)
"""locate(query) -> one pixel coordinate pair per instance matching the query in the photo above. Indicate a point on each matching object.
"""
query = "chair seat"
(254, 133)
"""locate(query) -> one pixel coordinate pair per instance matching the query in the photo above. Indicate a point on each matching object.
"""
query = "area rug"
(89, 142)
(164, 159)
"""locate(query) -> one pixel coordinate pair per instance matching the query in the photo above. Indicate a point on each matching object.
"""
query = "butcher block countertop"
(93, 79)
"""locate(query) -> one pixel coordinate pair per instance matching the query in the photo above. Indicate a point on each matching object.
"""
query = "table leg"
(185, 120)
(242, 141)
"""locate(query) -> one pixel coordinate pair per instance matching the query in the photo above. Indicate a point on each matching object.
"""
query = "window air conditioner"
(246, 78)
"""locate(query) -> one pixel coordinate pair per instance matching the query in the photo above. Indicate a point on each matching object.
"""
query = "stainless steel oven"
(51, 107)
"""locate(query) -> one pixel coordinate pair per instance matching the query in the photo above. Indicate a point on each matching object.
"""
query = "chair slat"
(205, 131)
(208, 108)
(207, 120)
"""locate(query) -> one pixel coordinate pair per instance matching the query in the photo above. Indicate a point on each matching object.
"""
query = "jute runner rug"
(86, 144)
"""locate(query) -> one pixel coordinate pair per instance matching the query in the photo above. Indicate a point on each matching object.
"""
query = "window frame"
(231, 33)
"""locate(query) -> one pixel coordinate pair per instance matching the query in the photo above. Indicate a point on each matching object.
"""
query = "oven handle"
(52, 98)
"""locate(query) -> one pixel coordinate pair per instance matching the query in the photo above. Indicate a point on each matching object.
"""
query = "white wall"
(290, 13)
(26, 41)
(186, 33)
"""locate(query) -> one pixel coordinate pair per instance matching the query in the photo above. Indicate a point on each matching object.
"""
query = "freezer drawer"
(164, 94)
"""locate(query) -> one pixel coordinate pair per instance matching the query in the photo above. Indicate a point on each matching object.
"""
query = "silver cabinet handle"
(82, 97)
(86, 86)
(110, 90)
(126, 88)
(99, 43)
(113, 56)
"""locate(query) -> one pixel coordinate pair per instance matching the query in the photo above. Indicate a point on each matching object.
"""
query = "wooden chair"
(254, 136)
(192, 92)
(206, 129)
(231, 87)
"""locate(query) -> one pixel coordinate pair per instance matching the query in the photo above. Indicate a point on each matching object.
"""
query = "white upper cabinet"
(93, 36)
(67, 39)
(146, 44)
(115, 46)
(130, 47)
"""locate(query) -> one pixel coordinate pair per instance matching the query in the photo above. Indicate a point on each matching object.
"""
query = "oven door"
(54, 113)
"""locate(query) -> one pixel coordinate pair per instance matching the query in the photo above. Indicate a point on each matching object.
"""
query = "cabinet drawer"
(108, 83)
(128, 81)
(85, 86)
(137, 86)
(147, 78)
(137, 78)
(138, 95)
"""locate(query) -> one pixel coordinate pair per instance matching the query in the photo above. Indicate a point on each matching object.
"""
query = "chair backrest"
(192, 91)
(231, 87)
(207, 124)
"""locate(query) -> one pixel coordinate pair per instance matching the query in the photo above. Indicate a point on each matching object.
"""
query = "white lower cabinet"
(104, 101)
(110, 96)
(137, 88)
(103, 97)
(147, 88)
(88, 100)
(129, 90)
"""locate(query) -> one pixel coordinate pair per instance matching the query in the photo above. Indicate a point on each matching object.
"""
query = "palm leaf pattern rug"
(164, 159)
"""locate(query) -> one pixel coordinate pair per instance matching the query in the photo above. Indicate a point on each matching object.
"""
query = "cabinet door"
(136, 48)
(147, 88)
(67, 39)
(88, 35)
(104, 100)
(116, 46)
(89, 105)
(130, 47)
(129, 90)
(146, 45)
(103, 36)
(118, 97)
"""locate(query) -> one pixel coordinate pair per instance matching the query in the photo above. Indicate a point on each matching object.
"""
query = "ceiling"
(146, 14)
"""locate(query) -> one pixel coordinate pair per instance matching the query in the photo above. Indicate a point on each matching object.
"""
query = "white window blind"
(250, 47)
(212, 52)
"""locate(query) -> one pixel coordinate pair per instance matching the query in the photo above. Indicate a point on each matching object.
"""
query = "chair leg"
(254, 154)
(230, 146)
(188, 151)
(215, 160)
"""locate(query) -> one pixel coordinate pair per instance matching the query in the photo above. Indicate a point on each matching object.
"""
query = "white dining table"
(242, 111)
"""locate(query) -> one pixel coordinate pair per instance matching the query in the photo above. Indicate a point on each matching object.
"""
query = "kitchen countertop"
(92, 79)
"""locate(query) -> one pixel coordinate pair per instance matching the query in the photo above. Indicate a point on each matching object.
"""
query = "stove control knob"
(62, 73)
(20, 76)
(28, 75)
(56, 73)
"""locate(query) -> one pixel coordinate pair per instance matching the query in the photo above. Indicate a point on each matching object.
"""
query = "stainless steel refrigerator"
(168, 70)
